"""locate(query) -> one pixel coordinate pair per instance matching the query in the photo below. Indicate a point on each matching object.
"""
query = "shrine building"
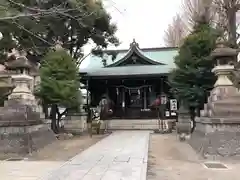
(133, 80)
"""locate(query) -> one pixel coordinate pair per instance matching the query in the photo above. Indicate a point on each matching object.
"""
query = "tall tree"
(59, 86)
(192, 9)
(221, 13)
(183, 23)
(175, 32)
(36, 25)
(226, 12)
(192, 78)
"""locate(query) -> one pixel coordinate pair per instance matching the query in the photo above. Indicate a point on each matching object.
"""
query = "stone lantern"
(21, 128)
(216, 133)
(223, 58)
(20, 68)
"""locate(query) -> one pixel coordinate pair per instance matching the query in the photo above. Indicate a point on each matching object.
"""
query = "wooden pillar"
(145, 98)
(161, 88)
(123, 102)
(107, 90)
(163, 105)
(123, 98)
(87, 88)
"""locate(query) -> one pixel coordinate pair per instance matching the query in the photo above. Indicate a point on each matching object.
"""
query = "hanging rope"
(129, 88)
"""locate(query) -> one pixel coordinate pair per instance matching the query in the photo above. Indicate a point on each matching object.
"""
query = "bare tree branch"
(221, 15)
(193, 9)
(183, 24)
(175, 32)
(226, 11)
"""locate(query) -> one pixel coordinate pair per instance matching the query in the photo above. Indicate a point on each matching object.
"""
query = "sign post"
(173, 105)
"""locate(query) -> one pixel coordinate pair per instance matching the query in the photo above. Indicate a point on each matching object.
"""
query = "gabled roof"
(133, 52)
(128, 71)
(152, 61)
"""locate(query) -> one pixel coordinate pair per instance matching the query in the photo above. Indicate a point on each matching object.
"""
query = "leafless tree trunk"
(227, 10)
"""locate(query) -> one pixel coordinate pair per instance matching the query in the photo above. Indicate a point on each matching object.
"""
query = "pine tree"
(60, 84)
(192, 79)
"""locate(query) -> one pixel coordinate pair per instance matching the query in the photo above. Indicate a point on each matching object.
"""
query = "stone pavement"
(121, 156)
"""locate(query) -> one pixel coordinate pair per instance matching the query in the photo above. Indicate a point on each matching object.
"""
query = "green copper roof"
(131, 71)
(164, 58)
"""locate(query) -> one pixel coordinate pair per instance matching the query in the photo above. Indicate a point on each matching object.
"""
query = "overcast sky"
(143, 20)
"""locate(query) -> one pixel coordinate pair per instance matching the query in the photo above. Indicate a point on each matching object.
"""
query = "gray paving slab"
(123, 158)
(120, 156)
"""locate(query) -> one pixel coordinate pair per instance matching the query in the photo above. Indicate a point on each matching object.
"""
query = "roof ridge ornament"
(134, 43)
(58, 45)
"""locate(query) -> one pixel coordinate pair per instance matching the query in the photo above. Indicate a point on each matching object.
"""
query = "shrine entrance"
(134, 100)
(132, 97)
(133, 82)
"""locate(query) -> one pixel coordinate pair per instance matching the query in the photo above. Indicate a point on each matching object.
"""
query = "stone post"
(183, 125)
(76, 123)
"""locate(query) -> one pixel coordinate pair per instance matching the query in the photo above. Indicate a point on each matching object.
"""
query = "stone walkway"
(120, 156)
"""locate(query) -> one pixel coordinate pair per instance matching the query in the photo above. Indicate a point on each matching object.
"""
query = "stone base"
(217, 138)
(78, 124)
(75, 124)
(183, 127)
(25, 139)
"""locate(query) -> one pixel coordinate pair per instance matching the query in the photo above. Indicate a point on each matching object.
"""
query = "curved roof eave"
(134, 48)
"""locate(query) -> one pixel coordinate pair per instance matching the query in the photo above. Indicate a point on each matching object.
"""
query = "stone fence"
(24, 139)
(217, 138)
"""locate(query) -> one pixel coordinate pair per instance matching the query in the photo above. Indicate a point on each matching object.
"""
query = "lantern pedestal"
(216, 135)
(184, 124)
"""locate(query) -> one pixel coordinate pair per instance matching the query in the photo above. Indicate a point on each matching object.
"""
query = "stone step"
(225, 106)
(234, 98)
(135, 124)
(134, 121)
(226, 112)
(230, 107)
(228, 101)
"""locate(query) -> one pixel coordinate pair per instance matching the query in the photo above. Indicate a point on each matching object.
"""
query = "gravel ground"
(47, 159)
(170, 159)
(61, 150)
